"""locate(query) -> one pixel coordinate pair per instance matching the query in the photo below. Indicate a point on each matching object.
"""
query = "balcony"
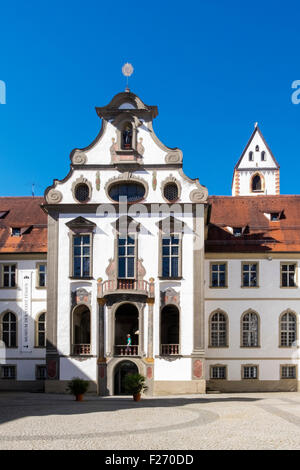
(81, 349)
(123, 350)
(170, 349)
(122, 286)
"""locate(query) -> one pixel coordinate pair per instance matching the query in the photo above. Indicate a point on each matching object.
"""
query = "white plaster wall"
(179, 369)
(84, 369)
(268, 300)
(245, 182)
(12, 300)
(257, 162)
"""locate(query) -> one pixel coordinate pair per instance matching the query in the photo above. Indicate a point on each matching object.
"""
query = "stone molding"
(81, 180)
(54, 196)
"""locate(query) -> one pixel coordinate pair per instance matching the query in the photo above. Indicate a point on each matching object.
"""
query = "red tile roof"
(23, 212)
(262, 235)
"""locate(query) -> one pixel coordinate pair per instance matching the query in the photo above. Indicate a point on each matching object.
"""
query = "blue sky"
(214, 68)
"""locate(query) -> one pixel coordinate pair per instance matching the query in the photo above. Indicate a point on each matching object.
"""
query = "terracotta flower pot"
(137, 397)
(79, 397)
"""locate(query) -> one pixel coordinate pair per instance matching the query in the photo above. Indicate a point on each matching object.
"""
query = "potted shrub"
(135, 384)
(78, 387)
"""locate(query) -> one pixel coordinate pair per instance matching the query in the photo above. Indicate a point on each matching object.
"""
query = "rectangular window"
(170, 255)
(288, 372)
(249, 275)
(42, 275)
(9, 275)
(218, 275)
(82, 256)
(126, 257)
(8, 372)
(40, 372)
(288, 275)
(250, 372)
(218, 372)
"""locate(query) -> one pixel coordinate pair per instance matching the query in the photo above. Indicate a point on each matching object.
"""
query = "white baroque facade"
(206, 287)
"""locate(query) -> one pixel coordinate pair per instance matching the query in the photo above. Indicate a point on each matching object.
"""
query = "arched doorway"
(126, 323)
(121, 370)
(169, 330)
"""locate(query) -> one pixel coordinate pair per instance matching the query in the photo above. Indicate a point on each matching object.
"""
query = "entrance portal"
(122, 369)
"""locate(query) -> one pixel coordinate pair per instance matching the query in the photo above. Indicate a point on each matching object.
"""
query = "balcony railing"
(116, 286)
(169, 349)
(81, 349)
(123, 350)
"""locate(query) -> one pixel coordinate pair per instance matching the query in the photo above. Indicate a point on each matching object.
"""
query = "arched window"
(41, 330)
(81, 330)
(9, 330)
(250, 330)
(288, 329)
(257, 148)
(126, 142)
(263, 156)
(218, 330)
(169, 330)
(250, 156)
(256, 183)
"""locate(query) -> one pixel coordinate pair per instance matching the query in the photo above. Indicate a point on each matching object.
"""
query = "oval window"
(132, 191)
(82, 192)
(171, 191)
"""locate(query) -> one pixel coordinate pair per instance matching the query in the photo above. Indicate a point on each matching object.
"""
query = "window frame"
(217, 366)
(211, 272)
(282, 366)
(244, 366)
(289, 263)
(226, 345)
(288, 311)
(37, 331)
(81, 234)
(37, 267)
(2, 331)
(170, 256)
(37, 366)
(244, 263)
(3, 366)
(3, 273)
(249, 312)
(135, 256)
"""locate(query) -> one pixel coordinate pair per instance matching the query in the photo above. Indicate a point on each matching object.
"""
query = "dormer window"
(16, 231)
(127, 136)
(274, 216)
(251, 157)
(237, 231)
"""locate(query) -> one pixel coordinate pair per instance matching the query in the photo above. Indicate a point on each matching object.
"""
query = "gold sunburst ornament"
(127, 71)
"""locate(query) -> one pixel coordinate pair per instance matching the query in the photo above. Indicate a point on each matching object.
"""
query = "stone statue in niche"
(127, 137)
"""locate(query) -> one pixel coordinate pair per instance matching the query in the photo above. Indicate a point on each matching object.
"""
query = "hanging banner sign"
(26, 313)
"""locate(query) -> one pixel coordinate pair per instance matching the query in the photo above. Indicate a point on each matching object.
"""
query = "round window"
(171, 191)
(131, 191)
(82, 192)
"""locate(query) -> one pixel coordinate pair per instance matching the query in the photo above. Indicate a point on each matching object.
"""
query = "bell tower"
(257, 171)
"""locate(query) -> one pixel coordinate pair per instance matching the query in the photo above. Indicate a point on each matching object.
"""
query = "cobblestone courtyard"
(219, 421)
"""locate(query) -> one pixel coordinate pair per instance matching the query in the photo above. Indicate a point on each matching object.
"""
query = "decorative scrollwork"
(174, 157)
(79, 158)
(54, 196)
(199, 195)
